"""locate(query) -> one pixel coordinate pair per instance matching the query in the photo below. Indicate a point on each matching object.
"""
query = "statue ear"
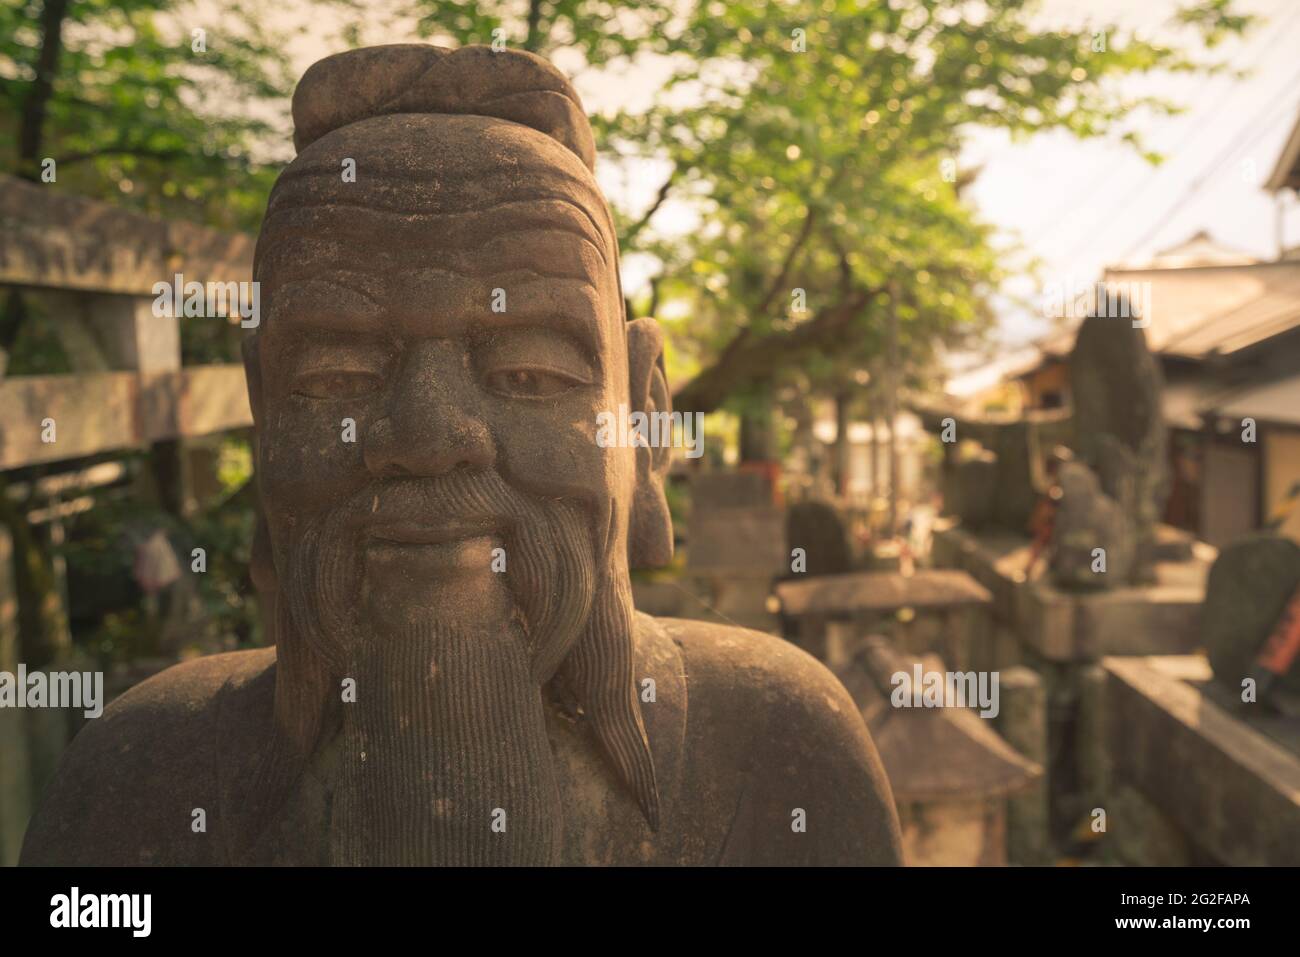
(650, 535)
(262, 565)
(251, 351)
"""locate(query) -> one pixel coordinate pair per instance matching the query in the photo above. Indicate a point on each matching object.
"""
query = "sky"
(1082, 205)
(1075, 206)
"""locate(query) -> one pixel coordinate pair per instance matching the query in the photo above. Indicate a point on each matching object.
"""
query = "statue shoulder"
(753, 673)
(129, 785)
(787, 726)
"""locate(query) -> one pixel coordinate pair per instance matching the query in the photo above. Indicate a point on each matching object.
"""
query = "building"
(1226, 330)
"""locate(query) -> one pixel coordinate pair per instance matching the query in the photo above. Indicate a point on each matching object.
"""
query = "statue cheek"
(553, 450)
(312, 457)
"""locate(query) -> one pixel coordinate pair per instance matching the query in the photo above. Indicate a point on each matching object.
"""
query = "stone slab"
(1229, 788)
(881, 592)
(738, 540)
(1065, 626)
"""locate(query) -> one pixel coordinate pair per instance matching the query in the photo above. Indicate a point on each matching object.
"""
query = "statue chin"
(450, 582)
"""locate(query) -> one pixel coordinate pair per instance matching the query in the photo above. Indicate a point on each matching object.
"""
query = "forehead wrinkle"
(542, 251)
(572, 304)
(462, 228)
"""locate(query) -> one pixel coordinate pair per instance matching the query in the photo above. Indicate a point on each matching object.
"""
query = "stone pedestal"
(1226, 777)
(1022, 721)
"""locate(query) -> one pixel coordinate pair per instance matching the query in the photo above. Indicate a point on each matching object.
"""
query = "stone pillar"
(1091, 743)
(15, 775)
(1022, 721)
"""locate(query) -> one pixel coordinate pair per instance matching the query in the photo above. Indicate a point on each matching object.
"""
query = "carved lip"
(405, 532)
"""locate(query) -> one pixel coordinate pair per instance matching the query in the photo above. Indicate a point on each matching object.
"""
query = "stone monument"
(1249, 589)
(1121, 438)
(459, 676)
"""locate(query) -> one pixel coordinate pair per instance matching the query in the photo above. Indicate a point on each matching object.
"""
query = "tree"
(819, 148)
(153, 104)
(158, 105)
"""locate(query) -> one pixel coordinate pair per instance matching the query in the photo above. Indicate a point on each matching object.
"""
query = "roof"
(1277, 402)
(972, 381)
(930, 753)
(1286, 173)
(1199, 249)
(1201, 311)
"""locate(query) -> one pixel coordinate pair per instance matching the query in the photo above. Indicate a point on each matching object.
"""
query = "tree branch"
(744, 363)
(119, 151)
(649, 213)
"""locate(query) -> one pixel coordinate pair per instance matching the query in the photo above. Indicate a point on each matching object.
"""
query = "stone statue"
(1120, 433)
(459, 676)
(1086, 519)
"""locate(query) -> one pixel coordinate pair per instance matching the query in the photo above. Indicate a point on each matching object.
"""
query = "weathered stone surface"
(1087, 519)
(819, 529)
(1022, 722)
(1119, 427)
(1250, 585)
(1016, 493)
(729, 489)
(109, 411)
(738, 540)
(857, 592)
(970, 488)
(459, 676)
(968, 759)
(1226, 786)
(1067, 626)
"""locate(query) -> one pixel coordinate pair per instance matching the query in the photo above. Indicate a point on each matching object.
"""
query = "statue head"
(443, 324)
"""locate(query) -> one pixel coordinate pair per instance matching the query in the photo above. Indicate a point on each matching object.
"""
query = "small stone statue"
(1120, 434)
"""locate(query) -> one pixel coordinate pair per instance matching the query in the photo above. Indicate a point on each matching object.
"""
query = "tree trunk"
(757, 435)
(840, 454)
(891, 405)
(36, 103)
(533, 42)
(42, 621)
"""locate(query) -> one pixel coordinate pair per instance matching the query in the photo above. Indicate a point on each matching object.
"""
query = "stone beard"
(447, 735)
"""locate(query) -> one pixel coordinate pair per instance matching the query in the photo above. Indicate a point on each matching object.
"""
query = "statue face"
(404, 348)
(441, 336)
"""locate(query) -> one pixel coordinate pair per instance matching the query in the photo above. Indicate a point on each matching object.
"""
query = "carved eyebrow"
(305, 301)
(568, 304)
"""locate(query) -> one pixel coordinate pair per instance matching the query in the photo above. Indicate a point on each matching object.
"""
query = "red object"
(1042, 523)
(770, 470)
(1283, 645)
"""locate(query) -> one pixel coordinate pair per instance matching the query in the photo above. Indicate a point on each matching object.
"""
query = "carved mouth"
(412, 550)
(420, 533)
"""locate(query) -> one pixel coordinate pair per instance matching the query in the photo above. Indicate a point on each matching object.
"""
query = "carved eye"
(336, 384)
(529, 383)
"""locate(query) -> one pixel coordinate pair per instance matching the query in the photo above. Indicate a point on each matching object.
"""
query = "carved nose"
(433, 424)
